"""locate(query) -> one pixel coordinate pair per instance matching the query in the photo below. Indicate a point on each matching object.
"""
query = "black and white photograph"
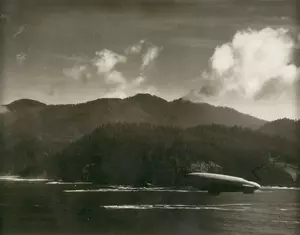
(150, 117)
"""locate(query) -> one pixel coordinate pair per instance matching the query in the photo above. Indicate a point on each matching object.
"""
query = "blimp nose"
(255, 185)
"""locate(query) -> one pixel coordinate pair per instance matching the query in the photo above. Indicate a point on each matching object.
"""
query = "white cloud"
(256, 68)
(150, 55)
(222, 60)
(120, 81)
(20, 30)
(136, 48)
(130, 90)
(21, 57)
(290, 73)
(123, 85)
(251, 60)
(146, 50)
(139, 80)
(105, 60)
(115, 77)
(76, 72)
(3, 109)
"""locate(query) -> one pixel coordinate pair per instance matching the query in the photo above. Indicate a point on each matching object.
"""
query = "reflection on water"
(51, 208)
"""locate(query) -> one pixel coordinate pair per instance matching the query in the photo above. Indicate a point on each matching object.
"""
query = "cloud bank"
(256, 66)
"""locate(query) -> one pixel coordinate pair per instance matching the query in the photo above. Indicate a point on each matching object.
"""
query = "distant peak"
(286, 119)
(24, 104)
(283, 120)
(182, 100)
(27, 101)
(145, 96)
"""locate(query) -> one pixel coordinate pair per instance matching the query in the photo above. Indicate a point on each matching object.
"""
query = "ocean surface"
(43, 207)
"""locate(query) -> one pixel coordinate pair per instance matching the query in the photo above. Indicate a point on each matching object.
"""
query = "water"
(39, 207)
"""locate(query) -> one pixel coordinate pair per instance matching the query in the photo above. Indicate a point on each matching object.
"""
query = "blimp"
(215, 183)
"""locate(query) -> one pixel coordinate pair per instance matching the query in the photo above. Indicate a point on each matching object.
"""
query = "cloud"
(135, 48)
(117, 71)
(253, 63)
(102, 65)
(120, 87)
(194, 42)
(129, 90)
(147, 51)
(77, 72)
(223, 59)
(115, 78)
(139, 80)
(4, 16)
(124, 87)
(3, 109)
(119, 75)
(271, 88)
(105, 60)
(19, 31)
(151, 54)
(21, 57)
(254, 70)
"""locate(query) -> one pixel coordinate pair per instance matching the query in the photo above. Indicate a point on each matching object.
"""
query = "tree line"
(141, 154)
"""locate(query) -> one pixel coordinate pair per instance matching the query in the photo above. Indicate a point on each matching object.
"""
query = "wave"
(172, 207)
(118, 188)
(13, 178)
(17, 178)
(72, 183)
(279, 188)
(286, 221)
(283, 209)
(132, 189)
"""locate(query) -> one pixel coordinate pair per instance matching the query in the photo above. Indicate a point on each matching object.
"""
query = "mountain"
(19, 109)
(139, 108)
(193, 114)
(285, 128)
(24, 105)
(55, 126)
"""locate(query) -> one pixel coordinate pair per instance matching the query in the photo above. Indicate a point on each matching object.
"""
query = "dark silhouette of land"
(141, 140)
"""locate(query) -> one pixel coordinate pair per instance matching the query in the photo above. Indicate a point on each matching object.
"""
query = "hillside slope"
(138, 153)
(285, 128)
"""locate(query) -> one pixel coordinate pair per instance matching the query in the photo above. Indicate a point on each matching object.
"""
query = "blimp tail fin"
(294, 173)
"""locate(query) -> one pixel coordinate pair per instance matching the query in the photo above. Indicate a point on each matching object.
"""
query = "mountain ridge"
(56, 126)
(137, 108)
(31, 103)
(17, 104)
(283, 127)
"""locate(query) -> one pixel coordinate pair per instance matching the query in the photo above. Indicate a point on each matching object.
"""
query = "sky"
(234, 53)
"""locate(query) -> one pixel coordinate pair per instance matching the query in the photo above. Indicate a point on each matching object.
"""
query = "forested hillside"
(143, 153)
(286, 128)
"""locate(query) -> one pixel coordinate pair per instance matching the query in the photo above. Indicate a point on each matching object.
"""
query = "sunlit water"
(49, 207)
